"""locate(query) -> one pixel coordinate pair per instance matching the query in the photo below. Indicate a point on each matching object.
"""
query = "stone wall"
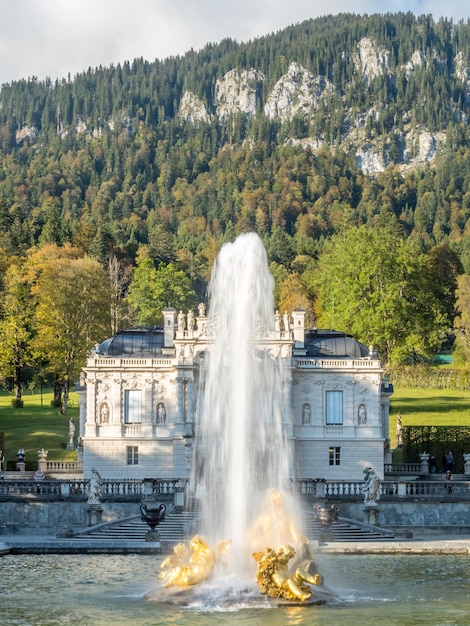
(40, 518)
(415, 517)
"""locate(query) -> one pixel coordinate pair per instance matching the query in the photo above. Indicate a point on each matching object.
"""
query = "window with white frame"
(334, 408)
(132, 406)
(334, 454)
(132, 455)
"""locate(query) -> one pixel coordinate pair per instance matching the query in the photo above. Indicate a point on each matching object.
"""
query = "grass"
(430, 407)
(427, 407)
(35, 426)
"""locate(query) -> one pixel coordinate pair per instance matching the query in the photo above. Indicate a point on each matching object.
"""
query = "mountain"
(332, 120)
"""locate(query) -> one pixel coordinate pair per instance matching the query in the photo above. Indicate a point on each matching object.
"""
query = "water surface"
(111, 590)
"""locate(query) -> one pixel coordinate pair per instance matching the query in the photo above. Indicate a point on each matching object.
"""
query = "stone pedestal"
(94, 514)
(371, 514)
(42, 461)
(320, 488)
(424, 456)
(179, 496)
(20, 466)
(152, 536)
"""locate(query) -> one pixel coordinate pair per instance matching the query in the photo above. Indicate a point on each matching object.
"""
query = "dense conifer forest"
(104, 167)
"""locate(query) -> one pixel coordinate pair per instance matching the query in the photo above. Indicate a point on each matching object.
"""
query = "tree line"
(112, 206)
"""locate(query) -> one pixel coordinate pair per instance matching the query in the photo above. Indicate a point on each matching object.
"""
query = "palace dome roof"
(135, 342)
(149, 342)
(333, 343)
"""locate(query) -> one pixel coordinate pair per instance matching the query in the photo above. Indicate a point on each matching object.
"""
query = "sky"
(55, 38)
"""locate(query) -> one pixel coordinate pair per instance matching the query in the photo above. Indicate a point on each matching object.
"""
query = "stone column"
(188, 431)
(289, 426)
(320, 485)
(179, 496)
(180, 405)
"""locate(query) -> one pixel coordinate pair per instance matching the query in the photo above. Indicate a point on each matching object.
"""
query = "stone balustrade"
(389, 489)
(64, 466)
(402, 468)
(112, 489)
(172, 489)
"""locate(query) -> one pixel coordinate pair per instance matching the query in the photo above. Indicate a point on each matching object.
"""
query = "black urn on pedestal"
(152, 516)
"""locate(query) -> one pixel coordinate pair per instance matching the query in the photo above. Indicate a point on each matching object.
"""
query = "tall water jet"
(241, 450)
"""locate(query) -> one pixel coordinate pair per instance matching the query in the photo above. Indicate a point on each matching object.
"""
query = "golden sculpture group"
(275, 580)
(183, 568)
(193, 565)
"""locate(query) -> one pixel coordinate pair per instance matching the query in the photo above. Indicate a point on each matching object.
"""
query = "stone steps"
(344, 531)
(174, 529)
(179, 527)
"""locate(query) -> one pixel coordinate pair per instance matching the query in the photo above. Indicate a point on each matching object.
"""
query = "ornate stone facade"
(139, 391)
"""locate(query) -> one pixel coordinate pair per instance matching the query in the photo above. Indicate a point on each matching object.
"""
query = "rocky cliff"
(299, 93)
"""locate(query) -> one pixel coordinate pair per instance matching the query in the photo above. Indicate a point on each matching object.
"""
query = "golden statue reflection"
(275, 580)
(183, 568)
(275, 526)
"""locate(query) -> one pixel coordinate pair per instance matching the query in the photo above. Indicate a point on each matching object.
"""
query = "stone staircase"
(176, 528)
(179, 527)
(345, 530)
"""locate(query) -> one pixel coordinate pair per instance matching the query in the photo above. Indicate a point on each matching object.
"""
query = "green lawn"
(35, 426)
(430, 407)
(427, 407)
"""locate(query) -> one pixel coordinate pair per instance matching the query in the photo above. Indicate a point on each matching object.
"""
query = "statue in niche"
(306, 414)
(104, 413)
(161, 413)
(181, 320)
(362, 415)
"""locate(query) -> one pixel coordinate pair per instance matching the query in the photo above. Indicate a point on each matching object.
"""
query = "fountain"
(242, 452)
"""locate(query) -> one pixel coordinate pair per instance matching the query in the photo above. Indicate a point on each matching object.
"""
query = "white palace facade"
(138, 395)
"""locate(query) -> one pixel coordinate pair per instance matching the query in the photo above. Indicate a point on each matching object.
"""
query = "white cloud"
(56, 37)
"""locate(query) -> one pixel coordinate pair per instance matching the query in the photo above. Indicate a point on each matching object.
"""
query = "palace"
(139, 391)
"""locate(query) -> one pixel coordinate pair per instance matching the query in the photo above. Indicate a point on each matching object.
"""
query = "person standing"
(449, 462)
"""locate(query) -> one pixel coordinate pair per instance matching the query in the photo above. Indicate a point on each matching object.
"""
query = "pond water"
(103, 590)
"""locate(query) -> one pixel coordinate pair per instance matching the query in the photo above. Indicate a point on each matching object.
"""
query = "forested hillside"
(333, 127)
